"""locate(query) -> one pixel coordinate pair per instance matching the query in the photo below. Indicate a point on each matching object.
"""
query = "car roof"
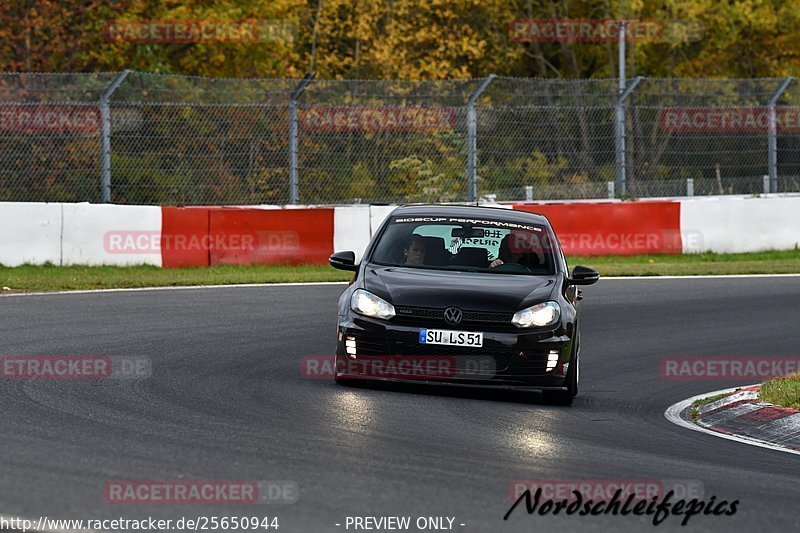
(493, 213)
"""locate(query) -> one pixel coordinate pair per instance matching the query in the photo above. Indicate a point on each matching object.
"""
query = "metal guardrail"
(139, 138)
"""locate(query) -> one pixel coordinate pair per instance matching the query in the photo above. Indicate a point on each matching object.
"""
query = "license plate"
(451, 338)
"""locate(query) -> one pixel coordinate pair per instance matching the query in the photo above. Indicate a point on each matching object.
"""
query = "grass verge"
(28, 278)
(783, 391)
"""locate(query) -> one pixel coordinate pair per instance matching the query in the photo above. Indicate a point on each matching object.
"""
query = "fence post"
(294, 196)
(772, 140)
(689, 186)
(105, 135)
(619, 136)
(472, 127)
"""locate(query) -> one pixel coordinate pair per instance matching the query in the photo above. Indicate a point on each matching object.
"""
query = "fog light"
(552, 360)
(350, 346)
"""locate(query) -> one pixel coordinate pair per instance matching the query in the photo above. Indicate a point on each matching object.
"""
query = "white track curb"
(674, 412)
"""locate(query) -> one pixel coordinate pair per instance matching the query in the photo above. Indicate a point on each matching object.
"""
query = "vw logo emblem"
(453, 316)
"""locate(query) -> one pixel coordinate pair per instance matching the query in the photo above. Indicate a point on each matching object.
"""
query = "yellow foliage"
(416, 39)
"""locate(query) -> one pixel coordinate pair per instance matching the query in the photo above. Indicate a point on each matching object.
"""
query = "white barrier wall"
(30, 233)
(377, 214)
(731, 225)
(351, 229)
(105, 234)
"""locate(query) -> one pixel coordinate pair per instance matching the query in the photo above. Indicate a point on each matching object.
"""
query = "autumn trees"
(411, 39)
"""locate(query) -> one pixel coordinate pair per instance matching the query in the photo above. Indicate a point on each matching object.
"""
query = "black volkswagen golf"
(460, 295)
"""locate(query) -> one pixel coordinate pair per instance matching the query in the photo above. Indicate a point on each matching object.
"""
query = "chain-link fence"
(141, 138)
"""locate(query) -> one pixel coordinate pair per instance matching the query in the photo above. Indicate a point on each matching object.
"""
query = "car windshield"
(474, 245)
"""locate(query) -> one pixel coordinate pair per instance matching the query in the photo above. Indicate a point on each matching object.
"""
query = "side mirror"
(343, 261)
(582, 275)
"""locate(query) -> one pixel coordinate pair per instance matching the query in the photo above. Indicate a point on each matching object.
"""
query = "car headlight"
(366, 303)
(544, 314)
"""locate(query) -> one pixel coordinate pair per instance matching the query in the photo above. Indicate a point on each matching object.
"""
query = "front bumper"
(509, 358)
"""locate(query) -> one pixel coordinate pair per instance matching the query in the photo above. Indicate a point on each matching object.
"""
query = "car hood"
(474, 291)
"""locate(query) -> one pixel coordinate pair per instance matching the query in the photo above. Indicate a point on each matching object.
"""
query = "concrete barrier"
(268, 236)
(733, 225)
(377, 214)
(89, 234)
(352, 229)
(30, 233)
(104, 234)
(614, 228)
(183, 231)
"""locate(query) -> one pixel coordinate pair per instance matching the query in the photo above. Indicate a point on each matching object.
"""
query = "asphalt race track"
(226, 400)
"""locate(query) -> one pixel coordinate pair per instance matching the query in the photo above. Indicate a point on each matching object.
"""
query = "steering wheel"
(512, 267)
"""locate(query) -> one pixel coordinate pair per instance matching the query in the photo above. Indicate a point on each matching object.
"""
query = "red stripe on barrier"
(618, 228)
(271, 236)
(184, 236)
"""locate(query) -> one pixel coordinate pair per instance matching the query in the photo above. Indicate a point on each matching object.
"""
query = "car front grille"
(497, 359)
(431, 315)
(370, 346)
(487, 317)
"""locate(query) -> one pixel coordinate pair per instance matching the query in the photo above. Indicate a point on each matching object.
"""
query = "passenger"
(414, 250)
(505, 254)
(520, 248)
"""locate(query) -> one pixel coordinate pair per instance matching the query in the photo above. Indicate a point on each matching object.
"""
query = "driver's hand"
(496, 262)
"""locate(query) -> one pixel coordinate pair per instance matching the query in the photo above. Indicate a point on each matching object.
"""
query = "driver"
(414, 250)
